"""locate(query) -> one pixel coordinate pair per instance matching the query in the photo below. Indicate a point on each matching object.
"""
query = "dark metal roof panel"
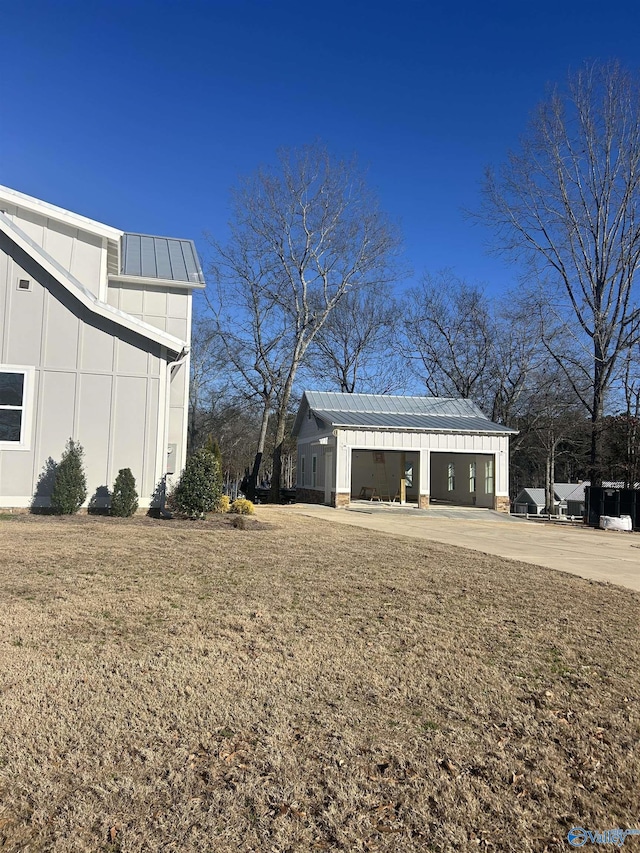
(395, 420)
(160, 257)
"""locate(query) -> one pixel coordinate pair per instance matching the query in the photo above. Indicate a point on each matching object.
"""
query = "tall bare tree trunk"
(597, 418)
(257, 462)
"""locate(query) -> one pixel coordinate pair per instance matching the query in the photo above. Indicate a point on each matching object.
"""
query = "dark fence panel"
(600, 500)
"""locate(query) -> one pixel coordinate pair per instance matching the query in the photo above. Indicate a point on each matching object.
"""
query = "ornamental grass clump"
(242, 506)
(124, 500)
(70, 485)
(198, 490)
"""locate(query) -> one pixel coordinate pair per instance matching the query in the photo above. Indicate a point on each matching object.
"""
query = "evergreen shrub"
(124, 499)
(198, 489)
(70, 484)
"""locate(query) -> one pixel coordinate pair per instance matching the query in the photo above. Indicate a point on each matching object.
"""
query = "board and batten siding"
(83, 254)
(168, 309)
(93, 380)
(425, 442)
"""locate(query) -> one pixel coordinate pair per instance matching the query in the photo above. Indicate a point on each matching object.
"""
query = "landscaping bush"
(124, 500)
(198, 490)
(214, 447)
(242, 506)
(70, 484)
(223, 504)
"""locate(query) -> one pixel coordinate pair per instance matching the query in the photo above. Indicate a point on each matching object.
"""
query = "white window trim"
(489, 476)
(451, 477)
(26, 426)
(302, 467)
(314, 471)
(473, 469)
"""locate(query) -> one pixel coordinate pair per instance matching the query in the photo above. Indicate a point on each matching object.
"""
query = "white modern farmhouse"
(95, 326)
(388, 448)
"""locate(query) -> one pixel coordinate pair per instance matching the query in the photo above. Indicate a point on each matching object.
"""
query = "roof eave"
(506, 431)
(159, 282)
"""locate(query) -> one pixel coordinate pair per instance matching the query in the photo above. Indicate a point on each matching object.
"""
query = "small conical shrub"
(70, 485)
(198, 489)
(124, 500)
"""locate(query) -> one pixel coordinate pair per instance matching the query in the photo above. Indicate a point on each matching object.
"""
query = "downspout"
(171, 367)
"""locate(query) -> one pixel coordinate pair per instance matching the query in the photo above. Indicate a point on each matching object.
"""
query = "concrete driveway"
(595, 554)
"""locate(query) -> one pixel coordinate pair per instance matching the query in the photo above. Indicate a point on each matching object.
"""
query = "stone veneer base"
(502, 504)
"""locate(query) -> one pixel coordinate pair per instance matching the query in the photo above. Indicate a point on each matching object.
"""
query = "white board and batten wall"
(93, 366)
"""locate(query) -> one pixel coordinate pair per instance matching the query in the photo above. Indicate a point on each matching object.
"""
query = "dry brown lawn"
(294, 686)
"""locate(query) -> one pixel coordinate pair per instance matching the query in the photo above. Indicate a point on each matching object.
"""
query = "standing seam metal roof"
(387, 411)
(160, 257)
(390, 420)
(392, 404)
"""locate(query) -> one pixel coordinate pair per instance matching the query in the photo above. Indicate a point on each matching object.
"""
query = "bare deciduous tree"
(569, 204)
(250, 334)
(302, 236)
(461, 344)
(354, 350)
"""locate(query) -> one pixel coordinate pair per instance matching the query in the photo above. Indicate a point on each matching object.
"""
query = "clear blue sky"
(142, 115)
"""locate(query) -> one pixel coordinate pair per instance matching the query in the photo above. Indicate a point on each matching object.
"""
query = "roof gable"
(84, 296)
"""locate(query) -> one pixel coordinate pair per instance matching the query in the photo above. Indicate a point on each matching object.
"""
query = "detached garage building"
(363, 446)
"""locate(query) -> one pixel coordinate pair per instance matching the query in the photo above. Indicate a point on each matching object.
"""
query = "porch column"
(501, 486)
(342, 495)
(424, 479)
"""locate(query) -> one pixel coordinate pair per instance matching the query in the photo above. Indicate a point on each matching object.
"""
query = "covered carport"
(392, 448)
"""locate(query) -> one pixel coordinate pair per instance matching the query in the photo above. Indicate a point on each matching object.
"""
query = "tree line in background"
(306, 293)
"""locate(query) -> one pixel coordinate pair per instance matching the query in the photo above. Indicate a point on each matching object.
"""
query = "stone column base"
(423, 501)
(341, 499)
(502, 504)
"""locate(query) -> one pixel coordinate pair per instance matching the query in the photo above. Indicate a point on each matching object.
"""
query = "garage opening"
(385, 475)
(464, 479)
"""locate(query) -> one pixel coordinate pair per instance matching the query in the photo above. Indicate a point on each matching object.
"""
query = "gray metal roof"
(160, 257)
(563, 490)
(391, 404)
(535, 496)
(392, 420)
(387, 411)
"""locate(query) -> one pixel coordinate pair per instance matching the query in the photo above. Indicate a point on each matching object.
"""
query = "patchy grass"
(295, 686)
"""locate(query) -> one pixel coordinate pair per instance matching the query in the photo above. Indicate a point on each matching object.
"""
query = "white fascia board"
(137, 280)
(360, 427)
(51, 211)
(84, 296)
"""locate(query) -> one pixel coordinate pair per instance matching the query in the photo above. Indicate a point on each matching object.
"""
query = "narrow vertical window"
(451, 477)
(472, 476)
(12, 387)
(302, 470)
(314, 471)
(488, 477)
